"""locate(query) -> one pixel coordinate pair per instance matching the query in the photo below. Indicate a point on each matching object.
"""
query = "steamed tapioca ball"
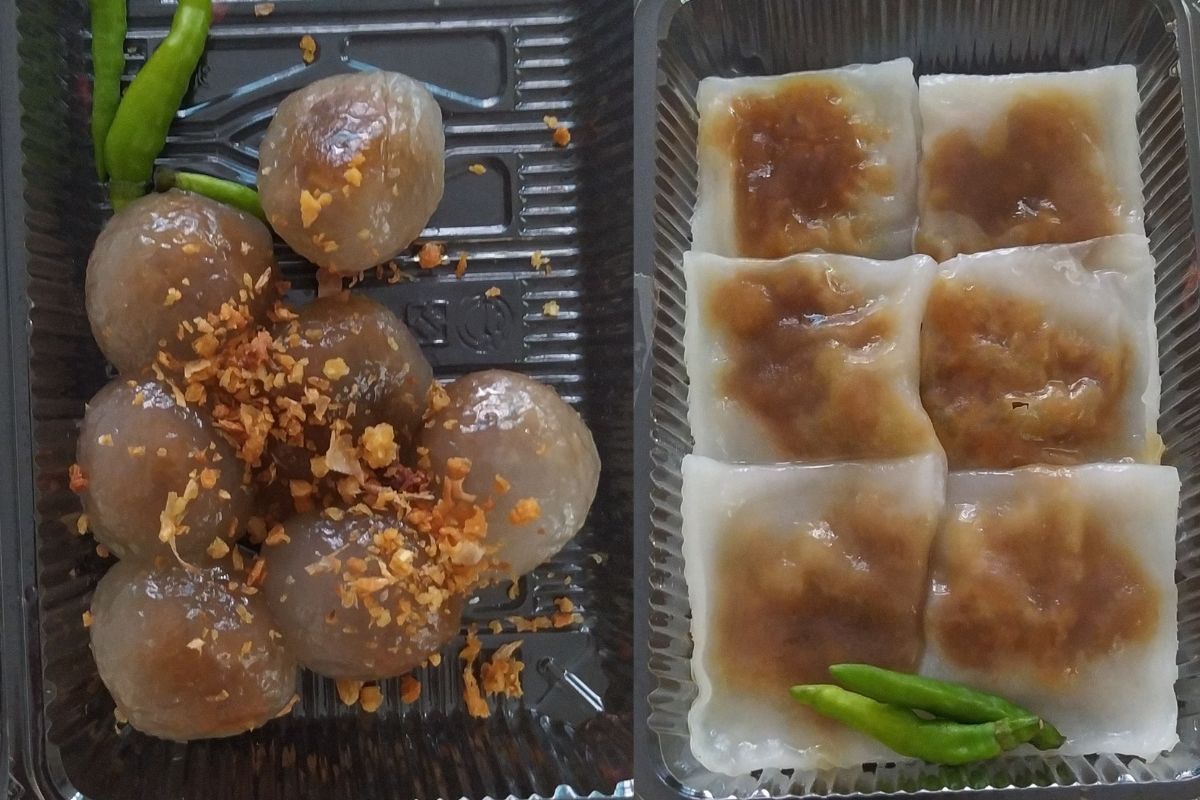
(156, 471)
(186, 657)
(360, 363)
(351, 168)
(529, 452)
(176, 272)
(357, 597)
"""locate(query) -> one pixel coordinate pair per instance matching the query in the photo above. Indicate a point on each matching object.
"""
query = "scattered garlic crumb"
(431, 255)
(526, 510)
(514, 589)
(477, 169)
(104, 440)
(263, 9)
(81, 524)
(88, 619)
(492, 292)
(208, 477)
(410, 689)
(538, 261)
(217, 548)
(370, 698)
(562, 136)
(495, 626)
(161, 452)
(550, 308)
(551, 121)
(308, 48)
(353, 176)
(461, 269)
(191, 248)
(379, 445)
(196, 644)
(349, 691)
(311, 206)
(335, 368)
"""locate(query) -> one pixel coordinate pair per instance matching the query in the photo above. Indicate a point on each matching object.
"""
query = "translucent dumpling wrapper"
(1055, 587)
(809, 358)
(1011, 160)
(820, 160)
(1044, 354)
(351, 168)
(790, 569)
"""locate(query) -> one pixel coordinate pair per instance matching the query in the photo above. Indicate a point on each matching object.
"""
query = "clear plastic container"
(497, 67)
(680, 43)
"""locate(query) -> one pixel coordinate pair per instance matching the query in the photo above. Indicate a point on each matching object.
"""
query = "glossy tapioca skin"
(352, 168)
(339, 590)
(530, 453)
(167, 260)
(374, 367)
(138, 446)
(185, 657)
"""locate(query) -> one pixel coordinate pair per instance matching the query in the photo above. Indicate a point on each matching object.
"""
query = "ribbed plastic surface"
(496, 67)
(723, 37)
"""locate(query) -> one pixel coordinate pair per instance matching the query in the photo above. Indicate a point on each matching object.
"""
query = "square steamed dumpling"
(1044, 354)
(820, 160)
(790, 569)
(1043, 158)
(1055, 588)
(813, 357)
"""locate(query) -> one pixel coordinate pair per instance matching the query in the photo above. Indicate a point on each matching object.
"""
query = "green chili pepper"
(228, 192)
(940, 698)
(933, 740)
(140, 129)
(108, 65)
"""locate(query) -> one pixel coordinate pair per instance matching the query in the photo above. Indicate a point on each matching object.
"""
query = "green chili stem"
(935, 741)
(241, 197)
(940, 698)
(108, 65)
(139, 131)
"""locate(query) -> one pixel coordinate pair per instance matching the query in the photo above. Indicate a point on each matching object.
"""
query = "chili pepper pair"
(969, 725)
(129, 132)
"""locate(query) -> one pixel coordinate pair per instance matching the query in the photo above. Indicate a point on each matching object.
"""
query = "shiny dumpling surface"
(1044, 354)
(167, 260)
(357, 597)
(374, 367)
(791, 568)
(1026, 159)
(813, 357)
(183, 656)
(144, 455)
(530, 452)
(351, 168)
(1055, 588)
(822, 160)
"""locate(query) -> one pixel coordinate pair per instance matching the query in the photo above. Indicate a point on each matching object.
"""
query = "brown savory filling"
(802, 163)
(849, 586)
(1005, 387)
(1036, 177)
(808, 360)
(1036, 583)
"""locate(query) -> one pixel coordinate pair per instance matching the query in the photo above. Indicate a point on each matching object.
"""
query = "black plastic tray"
(497, 67)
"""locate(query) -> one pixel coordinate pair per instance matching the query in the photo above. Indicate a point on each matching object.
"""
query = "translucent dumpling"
(1044, 354)
(157, 472)
(808, 358)
(177, 272)
(358, 597)
(1056, 589)
(184, 656)
(821, 160)
(352, 168)
(791, 569)
(529, 452)
(1028, 159)
(364, 360)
